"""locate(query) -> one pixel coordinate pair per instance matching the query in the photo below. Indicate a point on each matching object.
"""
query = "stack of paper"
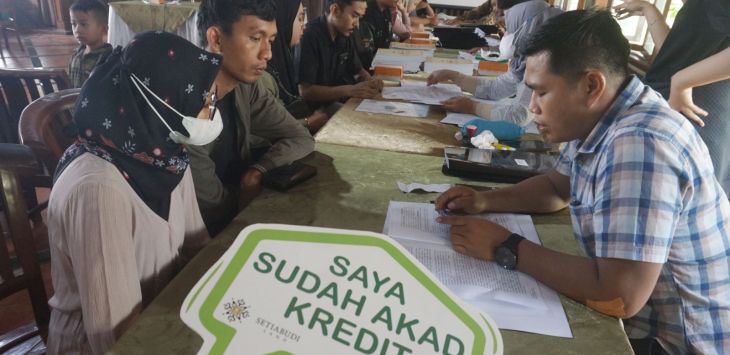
(410, 60)
(430, 95)
(421, 83)
(514, 300)
(428, 48)
(464, 66)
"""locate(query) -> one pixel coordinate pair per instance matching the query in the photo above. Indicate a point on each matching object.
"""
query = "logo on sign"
(236, 310)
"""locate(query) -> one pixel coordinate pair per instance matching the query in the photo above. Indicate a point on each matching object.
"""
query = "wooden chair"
(8, 24)
(19, 268)
(43, 126)
(19, 87)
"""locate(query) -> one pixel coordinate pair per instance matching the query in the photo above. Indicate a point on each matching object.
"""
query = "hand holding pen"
(460, 199)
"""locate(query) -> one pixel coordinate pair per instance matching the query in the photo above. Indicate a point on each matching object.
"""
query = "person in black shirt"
(376, 30)
(330, 69)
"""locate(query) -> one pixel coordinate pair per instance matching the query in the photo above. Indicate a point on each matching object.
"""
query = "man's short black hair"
(579, 40)
(224, 13)
(340, 3)
(97, 9)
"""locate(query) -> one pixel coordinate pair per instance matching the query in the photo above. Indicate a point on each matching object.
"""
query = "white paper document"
(422, 84)
(423, 187)
(393, 108)
(463, 66)
(514, 300)
(410, 60)
(430, 95)
(458, 119)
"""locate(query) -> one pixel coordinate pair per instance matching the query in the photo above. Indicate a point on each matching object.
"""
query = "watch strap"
(513, 242)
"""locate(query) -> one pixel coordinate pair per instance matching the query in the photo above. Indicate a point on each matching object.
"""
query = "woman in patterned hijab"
(116, 123)
(122, 212)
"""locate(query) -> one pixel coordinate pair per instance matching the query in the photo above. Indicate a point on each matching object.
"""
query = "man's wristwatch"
(506, 255)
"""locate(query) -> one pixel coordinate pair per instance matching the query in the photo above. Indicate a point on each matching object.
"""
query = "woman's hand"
(631, 8)
(681, 100)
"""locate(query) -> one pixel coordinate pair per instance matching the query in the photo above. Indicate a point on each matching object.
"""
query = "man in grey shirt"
(228, 172)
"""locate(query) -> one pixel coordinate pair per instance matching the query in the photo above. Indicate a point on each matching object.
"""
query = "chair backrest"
(42, 126)
(19, 270)
(19, 87)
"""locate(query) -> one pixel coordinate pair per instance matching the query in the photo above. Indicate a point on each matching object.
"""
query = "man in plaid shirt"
(638, 180)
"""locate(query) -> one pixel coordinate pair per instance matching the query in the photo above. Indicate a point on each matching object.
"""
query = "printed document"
(430, 95)
(458, 119)
(514, 300)
(393, 108)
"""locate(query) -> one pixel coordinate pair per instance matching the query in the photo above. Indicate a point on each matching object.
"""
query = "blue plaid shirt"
(643, 188)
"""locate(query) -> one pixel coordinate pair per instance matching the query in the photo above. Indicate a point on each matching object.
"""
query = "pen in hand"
(443, 212)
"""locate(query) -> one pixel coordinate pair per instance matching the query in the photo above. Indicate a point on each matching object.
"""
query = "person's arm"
(503, 86)
(514, 111)
(465, 82)
(270, 120)
(320, 93)
(213, 197)
(546, 193)
(196, 235)
(654, 19)
(711, 69)
(630, 227)
(101, 250)
(421, 21)
(616, 287)
(400, 28)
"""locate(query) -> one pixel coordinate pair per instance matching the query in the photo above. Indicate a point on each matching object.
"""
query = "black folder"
(495, 165)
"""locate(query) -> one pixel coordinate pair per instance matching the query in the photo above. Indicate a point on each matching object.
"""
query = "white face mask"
(201, 131)
(506, 47)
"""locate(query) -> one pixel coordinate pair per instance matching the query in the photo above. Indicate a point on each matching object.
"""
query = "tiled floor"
(48, 49)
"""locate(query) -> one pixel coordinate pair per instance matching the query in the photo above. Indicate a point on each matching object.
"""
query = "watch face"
(504, 258)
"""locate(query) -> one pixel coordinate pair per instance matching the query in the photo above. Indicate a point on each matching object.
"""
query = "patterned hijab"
(281, 65)
(523, 19)
(115, 122)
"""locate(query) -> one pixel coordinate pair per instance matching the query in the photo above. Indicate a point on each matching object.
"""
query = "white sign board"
(303, 290)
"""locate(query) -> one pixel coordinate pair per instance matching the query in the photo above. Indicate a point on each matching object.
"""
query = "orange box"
(424, 35)
(418, 41)
(389, 72)
(486, 67)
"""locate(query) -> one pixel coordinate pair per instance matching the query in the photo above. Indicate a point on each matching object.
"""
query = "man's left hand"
(475, 237)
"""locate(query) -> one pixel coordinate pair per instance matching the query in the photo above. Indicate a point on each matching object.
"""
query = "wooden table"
(389, 132)
(352, 190)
